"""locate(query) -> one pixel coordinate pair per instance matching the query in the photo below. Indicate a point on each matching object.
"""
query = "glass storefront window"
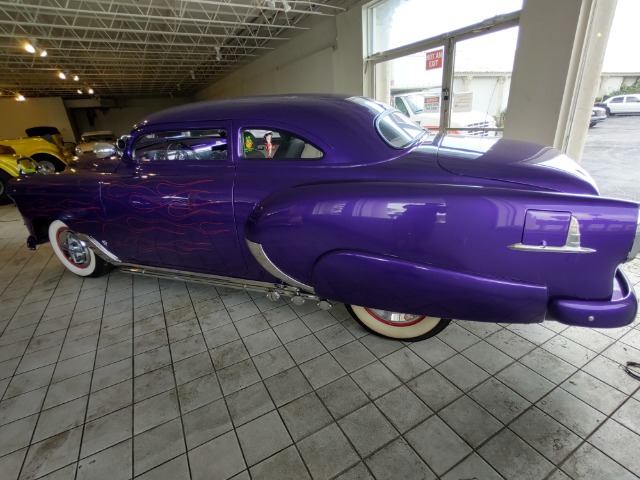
(396, 23)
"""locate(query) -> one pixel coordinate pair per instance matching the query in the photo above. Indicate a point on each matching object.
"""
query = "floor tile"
(513, 458)
(305, 349)
(437, 444)
(342, 397)
(502, 402)
(462, 372)
(629, 415)
(322, 370)
(398, 460)
(353, 356)
(375, 380)
(155, 411)
(176, 469)
(263, 437)
(510, 343)
(588, 463)
(619, 443)
(287, 386)
(206, 423)
(304, 416)
(547, 436)
(199, 392)
(469, 420)
(525, 381)
(285, 465)
(107, 431)
(52, 453)
(114, 463)
(403, 408)
(470, 467)
(327, 453)
(60, 418)
(572, 412)
(249, 403)
(157, 445)
(434, 390)
(487, 357)
(17, 435)
(405, 364)
(218, 458)
(569, 351)
(367, 429)
(594, 392)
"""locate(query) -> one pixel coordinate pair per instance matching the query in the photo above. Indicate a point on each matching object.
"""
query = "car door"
(632, 104)
(616, 105)
(171, 204)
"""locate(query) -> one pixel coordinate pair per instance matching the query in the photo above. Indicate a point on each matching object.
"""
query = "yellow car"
(9, 168)
(45, 148)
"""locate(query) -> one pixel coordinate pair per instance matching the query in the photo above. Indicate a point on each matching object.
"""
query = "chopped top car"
(352, 203)
(619, 104)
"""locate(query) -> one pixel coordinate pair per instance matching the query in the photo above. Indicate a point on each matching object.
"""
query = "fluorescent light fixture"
(76, 78)
(19, 98)
(62, 76)
(29, 47)
(286, 6)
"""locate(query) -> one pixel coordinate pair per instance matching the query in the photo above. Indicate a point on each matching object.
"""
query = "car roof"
(98, 132)
(339, 121)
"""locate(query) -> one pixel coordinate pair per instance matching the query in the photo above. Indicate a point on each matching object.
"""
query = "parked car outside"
(621, 104)
(414, 105)
(352, 203)
(43, 145)
(88, 140)
(598, 114)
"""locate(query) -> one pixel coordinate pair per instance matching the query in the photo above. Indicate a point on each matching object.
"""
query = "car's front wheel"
(401, 326)
(74, 254)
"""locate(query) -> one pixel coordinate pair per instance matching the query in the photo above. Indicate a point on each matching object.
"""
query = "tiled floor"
(123, 377)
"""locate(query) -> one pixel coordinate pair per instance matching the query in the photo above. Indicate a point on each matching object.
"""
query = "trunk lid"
(518, 162)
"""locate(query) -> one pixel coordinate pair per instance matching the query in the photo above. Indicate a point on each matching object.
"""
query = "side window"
(617, 100)
(633, 100)
(277, 144)
(187, 145)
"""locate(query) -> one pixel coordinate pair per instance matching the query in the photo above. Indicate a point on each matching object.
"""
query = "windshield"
(98, 138)
(397, 130)
(416, 103)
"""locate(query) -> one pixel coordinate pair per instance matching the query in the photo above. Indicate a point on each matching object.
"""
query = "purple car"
(343, 199)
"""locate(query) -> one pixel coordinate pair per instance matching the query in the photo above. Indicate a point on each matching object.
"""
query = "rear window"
(397, 130)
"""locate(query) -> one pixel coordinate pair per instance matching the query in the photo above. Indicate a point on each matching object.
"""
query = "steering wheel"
(179, 151)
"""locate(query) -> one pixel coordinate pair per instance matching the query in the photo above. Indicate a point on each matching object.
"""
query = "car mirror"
(104, 150)
(27, 165)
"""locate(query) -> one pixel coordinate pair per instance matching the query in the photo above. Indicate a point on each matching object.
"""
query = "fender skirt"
(391, 284)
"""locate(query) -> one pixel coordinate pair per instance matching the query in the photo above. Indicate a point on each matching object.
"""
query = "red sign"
(434, 59)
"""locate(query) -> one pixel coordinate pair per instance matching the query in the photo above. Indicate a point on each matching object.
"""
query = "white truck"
(424, 109)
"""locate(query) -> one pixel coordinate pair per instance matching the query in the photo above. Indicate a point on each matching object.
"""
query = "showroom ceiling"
(141, 47)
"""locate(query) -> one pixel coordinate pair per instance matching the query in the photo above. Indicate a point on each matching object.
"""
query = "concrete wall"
(15, 116)
(325, 59)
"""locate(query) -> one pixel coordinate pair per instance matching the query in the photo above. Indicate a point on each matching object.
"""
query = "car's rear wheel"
(74, 254)
(401, 326)
(4, 178)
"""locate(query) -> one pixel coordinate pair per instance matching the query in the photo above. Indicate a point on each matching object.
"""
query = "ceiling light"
(286, 6)
(79, 91)
(218, 54)
(76, 78)
(271, 3)
(90, 90)
(193, 75)
(43, 53)
(29, 47)
(20, 98)
(62, 76)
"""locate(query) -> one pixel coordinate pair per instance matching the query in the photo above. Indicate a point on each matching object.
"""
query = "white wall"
(15, 116)
(325, 59)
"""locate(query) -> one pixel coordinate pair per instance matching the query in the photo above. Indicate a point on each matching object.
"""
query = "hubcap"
(74, 249)
(395, 318)
(46, 167)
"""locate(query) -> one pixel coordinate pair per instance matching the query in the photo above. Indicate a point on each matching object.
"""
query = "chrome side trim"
(98, 248)
(543, 248)
(259, 254)
(218, 280)
(571, 244)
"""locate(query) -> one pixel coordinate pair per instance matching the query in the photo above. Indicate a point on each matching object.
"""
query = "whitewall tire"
(398, 325)
(74, 254)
